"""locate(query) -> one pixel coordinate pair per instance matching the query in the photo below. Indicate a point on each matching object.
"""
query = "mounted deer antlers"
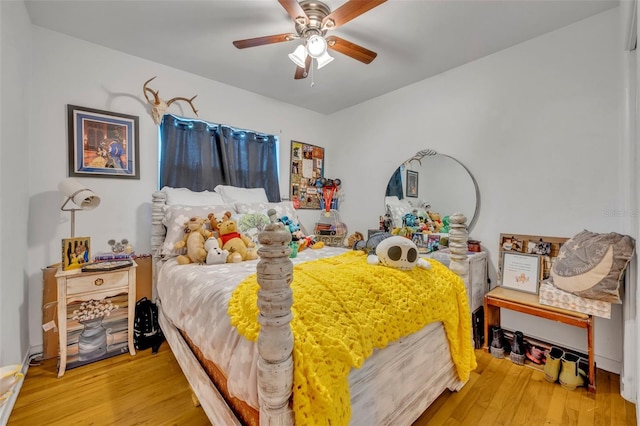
(159, 106)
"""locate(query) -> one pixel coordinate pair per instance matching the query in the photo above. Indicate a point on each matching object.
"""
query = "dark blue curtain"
(199, 155)
(394, 187)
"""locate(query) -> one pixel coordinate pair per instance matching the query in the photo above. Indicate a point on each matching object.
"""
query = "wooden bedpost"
(275, 342)
(158, 232)
(458, 237)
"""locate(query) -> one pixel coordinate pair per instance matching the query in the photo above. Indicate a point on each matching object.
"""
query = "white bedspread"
(195, 298)
(393, 386)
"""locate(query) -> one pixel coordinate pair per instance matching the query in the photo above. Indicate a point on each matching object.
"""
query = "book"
(75, 252)
(107, 265)
(102, 257)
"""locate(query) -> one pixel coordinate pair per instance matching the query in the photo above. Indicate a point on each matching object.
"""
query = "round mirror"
(435, 182)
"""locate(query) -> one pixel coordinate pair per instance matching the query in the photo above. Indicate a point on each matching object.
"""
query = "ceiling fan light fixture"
(299, 56)
(324, 60)
(316, 46)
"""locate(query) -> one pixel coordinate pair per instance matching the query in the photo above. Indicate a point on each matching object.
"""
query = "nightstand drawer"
(95, 282)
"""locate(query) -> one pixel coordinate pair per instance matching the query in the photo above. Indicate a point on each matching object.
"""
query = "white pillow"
(283, 208)
(176, 216)
(187, 197)
(233, 194)
(397, 209)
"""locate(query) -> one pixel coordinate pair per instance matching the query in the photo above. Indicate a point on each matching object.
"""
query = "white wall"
(15, 39)
(537, 124)
(69, 71)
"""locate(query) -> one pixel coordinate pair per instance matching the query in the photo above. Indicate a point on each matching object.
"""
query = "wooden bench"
(527, 303)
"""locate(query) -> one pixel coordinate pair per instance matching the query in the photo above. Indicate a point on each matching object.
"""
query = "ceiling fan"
(312, 20)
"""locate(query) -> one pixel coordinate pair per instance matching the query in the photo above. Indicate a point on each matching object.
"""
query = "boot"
(497, 342)
(570, 375)
(552, 366)
(517, 348)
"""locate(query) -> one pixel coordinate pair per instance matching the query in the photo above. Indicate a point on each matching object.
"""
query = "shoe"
(570, 375)
(497, 342)
(552, 366)
(518, 348)
(536, 355)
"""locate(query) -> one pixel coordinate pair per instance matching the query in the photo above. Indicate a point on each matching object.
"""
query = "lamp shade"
(324, 60)
(299, 56)
(316, 46)
(81, 196)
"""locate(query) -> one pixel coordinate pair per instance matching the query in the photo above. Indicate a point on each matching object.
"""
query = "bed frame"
(275, 342)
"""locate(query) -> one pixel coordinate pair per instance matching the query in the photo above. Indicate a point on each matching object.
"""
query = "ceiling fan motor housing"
(316, 11)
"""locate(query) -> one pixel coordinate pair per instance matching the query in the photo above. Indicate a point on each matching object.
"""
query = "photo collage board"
(307, 166)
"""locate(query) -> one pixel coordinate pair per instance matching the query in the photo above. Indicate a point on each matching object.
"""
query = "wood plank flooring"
(150, 389)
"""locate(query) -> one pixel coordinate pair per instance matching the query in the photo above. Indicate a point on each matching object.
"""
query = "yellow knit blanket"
(344, 308)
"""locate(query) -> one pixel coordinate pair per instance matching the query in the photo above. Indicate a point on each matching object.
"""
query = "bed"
(239, 380)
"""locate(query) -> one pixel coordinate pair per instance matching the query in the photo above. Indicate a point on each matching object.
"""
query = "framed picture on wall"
(412, 183)
(102, 143)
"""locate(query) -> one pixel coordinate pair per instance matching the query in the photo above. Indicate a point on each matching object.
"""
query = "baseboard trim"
(5, 410)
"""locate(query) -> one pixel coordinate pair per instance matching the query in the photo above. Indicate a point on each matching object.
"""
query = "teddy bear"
(351, 241)
(215, 255)
(240, 246)
(436, 220)
(195, 236)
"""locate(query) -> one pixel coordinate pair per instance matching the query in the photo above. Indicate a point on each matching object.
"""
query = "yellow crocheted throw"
(343, 308)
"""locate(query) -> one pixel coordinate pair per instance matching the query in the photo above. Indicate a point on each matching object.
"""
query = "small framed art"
(102, 143)
(521, 271)
(412, 183)
(75, 252)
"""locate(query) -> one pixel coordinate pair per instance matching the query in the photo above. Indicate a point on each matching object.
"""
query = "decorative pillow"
(283, 208)
(187, 197)
(251, 224)
(233, 194)
(590, 265)
(176, 216)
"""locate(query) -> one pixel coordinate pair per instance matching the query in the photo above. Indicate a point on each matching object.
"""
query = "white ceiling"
(414, 39)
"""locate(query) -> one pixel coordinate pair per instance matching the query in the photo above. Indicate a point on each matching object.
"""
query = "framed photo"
(521, 271)
(76, 252)
(102, 143)
(412, 183)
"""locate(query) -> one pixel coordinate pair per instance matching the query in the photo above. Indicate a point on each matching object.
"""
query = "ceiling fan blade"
(351, 49)
(294, 10)
(303, 72)
(260, 41)
(348, 11)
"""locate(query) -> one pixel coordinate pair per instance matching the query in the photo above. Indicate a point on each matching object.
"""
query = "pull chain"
(312, 82)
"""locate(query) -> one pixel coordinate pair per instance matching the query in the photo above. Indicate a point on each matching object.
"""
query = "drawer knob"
(98, 282)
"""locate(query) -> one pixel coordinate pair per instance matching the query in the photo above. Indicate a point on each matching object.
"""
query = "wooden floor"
(150, 389)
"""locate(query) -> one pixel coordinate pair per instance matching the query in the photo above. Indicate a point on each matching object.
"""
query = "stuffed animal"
(195, 236)
(237, 244)
(437, 221)
(398, 252)
(213, 223)
(353, 239)
(309, 241)
(215, 255)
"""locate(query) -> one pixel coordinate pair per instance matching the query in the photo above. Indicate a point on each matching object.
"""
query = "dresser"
(477, 283)
(95, 315)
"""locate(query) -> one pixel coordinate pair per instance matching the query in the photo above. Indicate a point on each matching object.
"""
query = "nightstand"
(86, 333)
